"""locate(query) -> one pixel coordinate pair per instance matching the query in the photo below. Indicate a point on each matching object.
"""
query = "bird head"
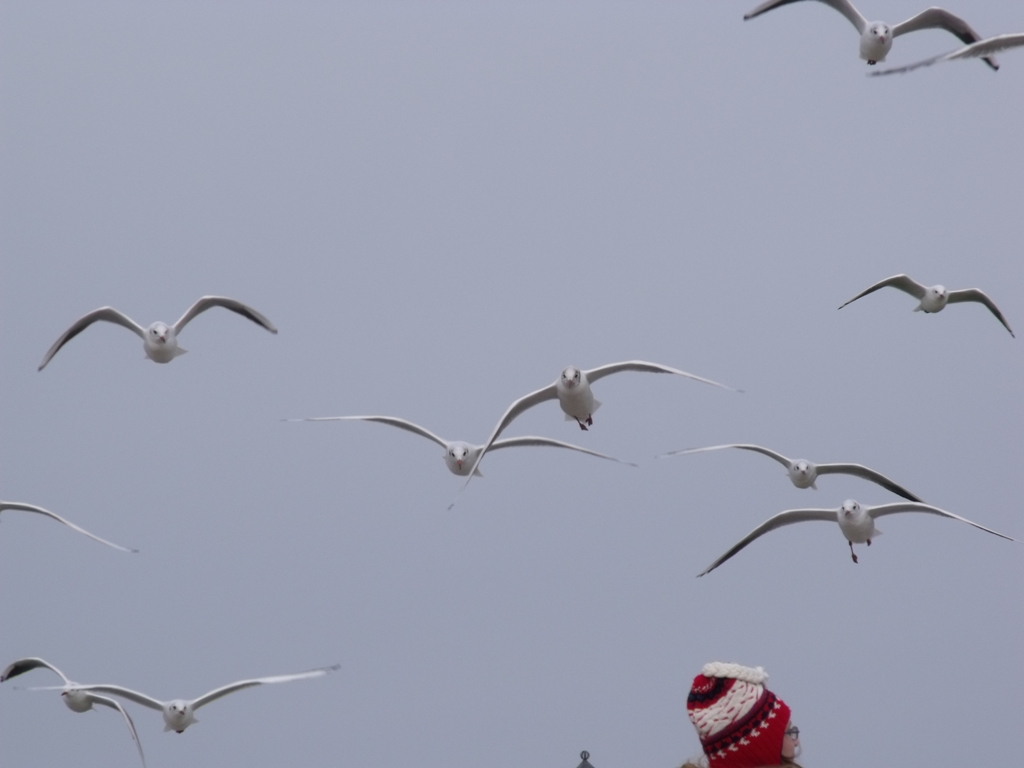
(571, 377)
(458, 457)
(159, 333)
(850, 510)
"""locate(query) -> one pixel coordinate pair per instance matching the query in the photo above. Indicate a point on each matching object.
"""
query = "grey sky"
(440, 206)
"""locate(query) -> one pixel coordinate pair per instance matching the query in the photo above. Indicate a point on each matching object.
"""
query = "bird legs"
(852, 553)
(590, 422)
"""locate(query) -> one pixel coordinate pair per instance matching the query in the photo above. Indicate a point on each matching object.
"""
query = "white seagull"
(857, 523)
(76, 699)
(973, 51)
(804, 473)
(47, 513)
(179, 714)
(572, 390)
(876, 36)
(160, 341)
(934, 298)
(460, 457)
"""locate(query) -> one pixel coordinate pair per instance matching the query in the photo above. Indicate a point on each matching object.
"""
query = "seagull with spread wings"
(934, 298)
(159, 341)
(876, 36)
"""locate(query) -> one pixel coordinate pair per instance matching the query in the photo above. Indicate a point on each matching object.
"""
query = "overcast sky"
(440, 206)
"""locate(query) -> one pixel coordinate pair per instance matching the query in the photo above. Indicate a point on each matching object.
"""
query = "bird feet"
(590, 421)
(852, 553)
(872, 63)
(582, 425)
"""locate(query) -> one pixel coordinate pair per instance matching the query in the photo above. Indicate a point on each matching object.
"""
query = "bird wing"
(215, 694)
(640, 365)
(22, 666)
(124, 693)
(515, 442)
(208, 302)
(843, 6)
(937, 18)
(131, 726)
(394, 421)
(904, 283)
(892, 509)
(868, 474)
(788, 517)
(522, 404)
(109, 314)
(981, 48)
(973, 294)
(31, 508)
(744, 446)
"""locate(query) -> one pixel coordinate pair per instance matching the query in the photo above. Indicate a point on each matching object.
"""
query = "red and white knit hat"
(740, 722)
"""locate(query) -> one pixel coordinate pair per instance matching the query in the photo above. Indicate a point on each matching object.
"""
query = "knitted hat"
(740, 722)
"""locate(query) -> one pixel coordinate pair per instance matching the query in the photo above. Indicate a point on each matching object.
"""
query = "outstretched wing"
(744, 446)
(904, 283)
(208, 302)
(892, 509)
(514, 442)
(394, 421)
(979, 49)
(843, 6)
(108, 314)
(124, 693)
(21, 666)
(868, 474)
(215, 694)
(39, 510)
(788, 517)
(131, 726)
(937, 18)
(640, 365)
(973, 294)
(522, 404)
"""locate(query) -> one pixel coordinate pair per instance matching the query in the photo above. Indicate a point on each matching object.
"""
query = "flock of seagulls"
(573, 391)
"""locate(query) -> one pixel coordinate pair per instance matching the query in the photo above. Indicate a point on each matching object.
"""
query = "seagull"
(160, 341)
(460, 457)
(856, 521)
(572, 390)
(31, 508)
(934, 298)
(804, 473)
(179, 714)
(76, 699)
(876, 36)
(974, 50)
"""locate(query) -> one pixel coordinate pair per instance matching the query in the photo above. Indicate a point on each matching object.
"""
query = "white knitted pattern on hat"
(735, 703)
(755, 675)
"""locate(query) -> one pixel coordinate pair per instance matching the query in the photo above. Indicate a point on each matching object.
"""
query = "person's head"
(741, 724)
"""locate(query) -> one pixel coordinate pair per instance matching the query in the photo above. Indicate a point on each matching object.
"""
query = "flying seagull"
(974, 50)
(804, 473)
(179, 714)
(876, 36)
(460, 457)
(75, 698)
(572, 390)
(934, 298)
(856, 522)
(47, 513)
(159, 341)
